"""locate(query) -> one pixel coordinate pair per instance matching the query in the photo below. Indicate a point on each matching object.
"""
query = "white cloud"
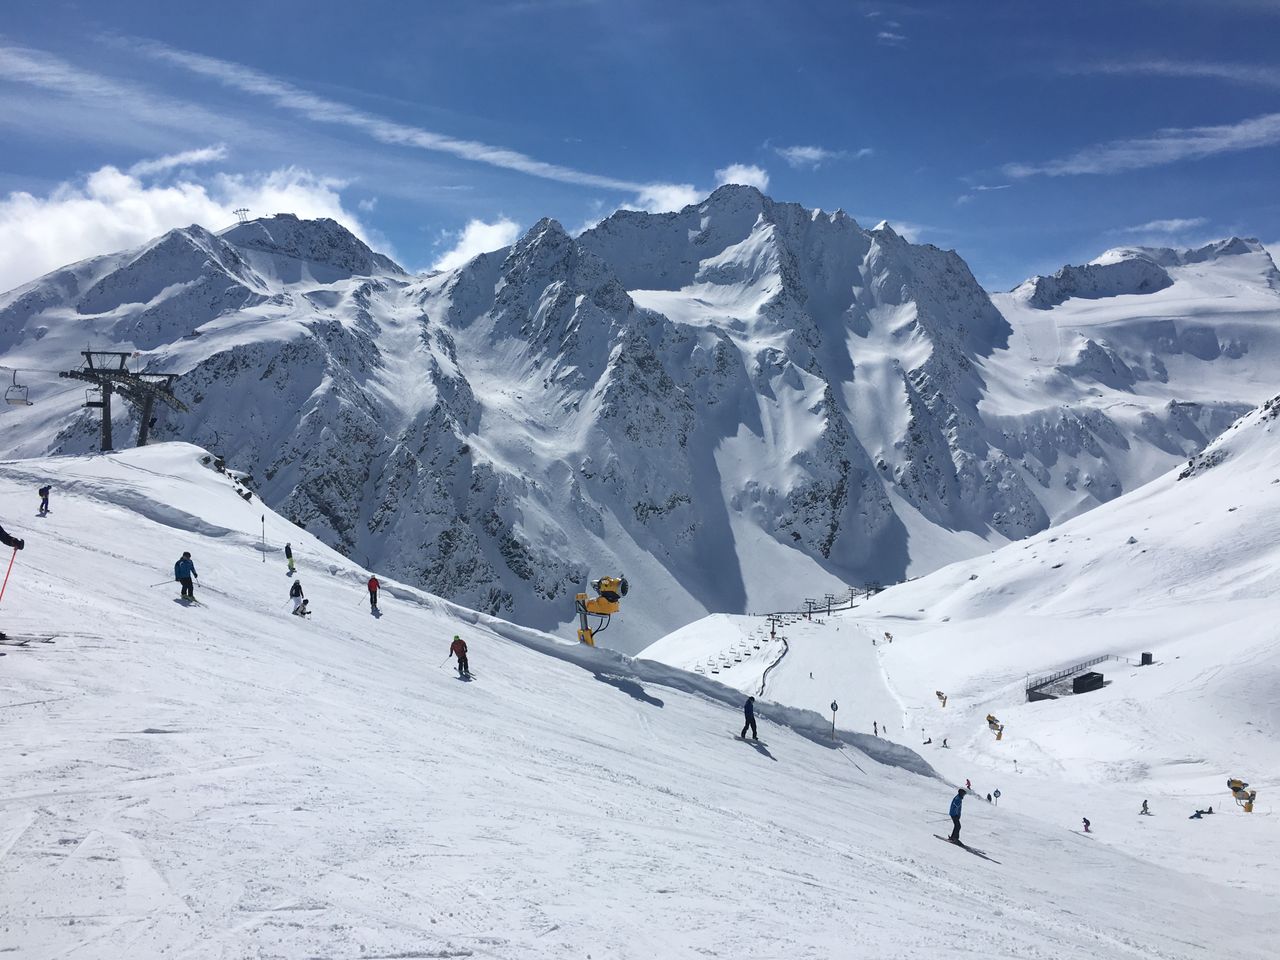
(1246, 73)
(664, 197)
(887, 38)
(749, 175)
(812, 156)
(976, 188)
(1174, 225)
(478, 237)
(1162, 147)
(172, 161)
(111, 210)
(368, 204)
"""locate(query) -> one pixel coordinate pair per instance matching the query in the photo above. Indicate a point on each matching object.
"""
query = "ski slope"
(228, 781)
(1183, 568)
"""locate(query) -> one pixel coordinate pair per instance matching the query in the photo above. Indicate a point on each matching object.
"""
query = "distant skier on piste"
(44, 500)
(288, 558)
(184, 571)
(749, 713)
(957, 804)
(373, 593)
(459, 649)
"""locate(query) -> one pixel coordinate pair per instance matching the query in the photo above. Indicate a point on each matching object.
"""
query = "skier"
(957, 803)
(184, 571)
(288, 556)
(749, 714)
(968, 786)
(1144, 811)
(44, 500)
(875, 728)
(944, 742)
(988, 798)
(1085, 821)
(299, 601)
(9, 541)
(373, 593)
(459, 649)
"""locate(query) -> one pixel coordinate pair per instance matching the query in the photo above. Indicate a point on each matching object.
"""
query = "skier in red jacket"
(459, 649)
(373, 593)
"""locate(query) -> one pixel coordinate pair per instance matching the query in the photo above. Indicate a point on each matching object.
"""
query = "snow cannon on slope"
(1244, 796)
(995, 726)
(609, 591)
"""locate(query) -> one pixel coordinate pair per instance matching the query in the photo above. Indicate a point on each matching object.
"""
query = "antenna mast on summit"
(242, 214)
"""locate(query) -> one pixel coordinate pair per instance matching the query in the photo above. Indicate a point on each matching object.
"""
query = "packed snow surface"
(227, 780)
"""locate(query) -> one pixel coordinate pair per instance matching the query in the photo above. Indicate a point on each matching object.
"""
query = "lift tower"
(109, 373)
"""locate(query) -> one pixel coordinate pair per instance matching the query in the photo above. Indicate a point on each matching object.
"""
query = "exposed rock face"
(736, 405)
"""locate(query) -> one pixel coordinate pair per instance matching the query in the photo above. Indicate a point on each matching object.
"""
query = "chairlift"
(17, 393)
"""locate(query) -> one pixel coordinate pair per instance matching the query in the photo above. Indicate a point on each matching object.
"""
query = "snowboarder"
(9, 541)
(299, 601)
(44, 500)
(968, 786)
(288, 556)
(929, 741)
(184, 571)
(1085, 821)
(459, 649)
(749, 714)
(957, 803)
(1144, 811)
(373, 593)
(944, 742)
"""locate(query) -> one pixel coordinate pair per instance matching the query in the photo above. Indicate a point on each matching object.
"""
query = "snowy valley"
(736, 405)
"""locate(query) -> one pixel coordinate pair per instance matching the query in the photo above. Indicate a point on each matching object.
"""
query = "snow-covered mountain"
(736, 405)
(232, 781)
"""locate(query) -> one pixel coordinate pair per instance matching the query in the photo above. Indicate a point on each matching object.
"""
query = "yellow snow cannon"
(609, 591)
(1244, 796)
(995, 726)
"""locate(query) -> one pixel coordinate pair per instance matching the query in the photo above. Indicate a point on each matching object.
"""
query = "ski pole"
(160, 584)
(7, 572)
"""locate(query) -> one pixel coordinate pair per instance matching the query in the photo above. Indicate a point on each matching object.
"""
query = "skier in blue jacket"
(184, 571)
(956, 803)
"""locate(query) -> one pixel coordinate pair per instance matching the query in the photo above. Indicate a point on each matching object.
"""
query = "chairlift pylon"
(16, 394)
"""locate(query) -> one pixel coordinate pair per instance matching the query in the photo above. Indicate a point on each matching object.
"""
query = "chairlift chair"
(16, 394)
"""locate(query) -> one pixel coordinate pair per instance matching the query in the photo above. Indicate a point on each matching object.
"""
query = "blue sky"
(1022, 134)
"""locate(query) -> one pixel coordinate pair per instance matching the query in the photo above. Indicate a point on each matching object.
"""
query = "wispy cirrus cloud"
(812, 156)
(888, 38)
(1172, 225)
(1243, 73)
(1163, 147)
(318, 109)
(976, 188)
(175, 161)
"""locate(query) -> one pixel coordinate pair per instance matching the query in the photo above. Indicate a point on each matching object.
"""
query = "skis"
(23, 640)
(974, 850)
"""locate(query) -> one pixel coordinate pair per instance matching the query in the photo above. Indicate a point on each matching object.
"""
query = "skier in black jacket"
(749, 712)
(299, 601)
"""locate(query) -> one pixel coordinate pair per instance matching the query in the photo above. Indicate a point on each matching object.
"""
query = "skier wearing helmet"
(459, 649)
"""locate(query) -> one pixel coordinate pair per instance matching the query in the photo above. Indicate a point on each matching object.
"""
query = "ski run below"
(229, 781)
